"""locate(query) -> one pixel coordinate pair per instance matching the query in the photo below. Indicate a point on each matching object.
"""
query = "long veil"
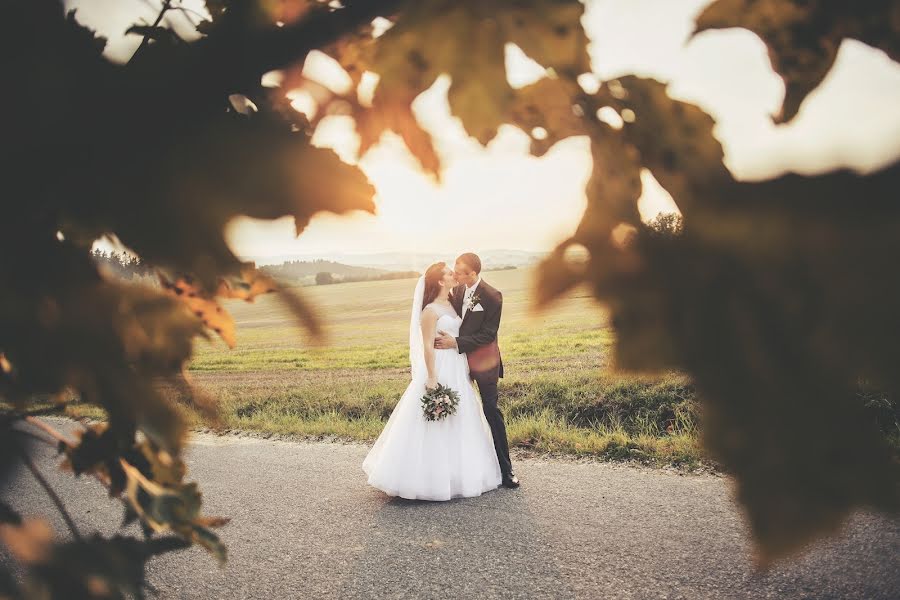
(416, 347)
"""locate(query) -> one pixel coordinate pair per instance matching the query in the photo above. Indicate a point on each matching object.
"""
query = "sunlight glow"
(366, 90)
(303, 102)
(501, 197)
(654, 198)
(327, 71)
(272, 79)
(610, 116)
(521, 70)
(589, 83)
(379, 26)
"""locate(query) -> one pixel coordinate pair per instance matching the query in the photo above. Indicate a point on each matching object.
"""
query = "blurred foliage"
(120, 264)
(666, 225)
(158, 154)
(773, 296)
(776, 296)
(803, 36)
(324, 278)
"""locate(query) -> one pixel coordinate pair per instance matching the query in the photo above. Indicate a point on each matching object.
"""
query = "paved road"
(573, 530)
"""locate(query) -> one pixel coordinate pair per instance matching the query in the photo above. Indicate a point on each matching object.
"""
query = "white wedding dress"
(435, 460)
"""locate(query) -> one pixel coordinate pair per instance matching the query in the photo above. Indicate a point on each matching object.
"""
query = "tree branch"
(167, 5)
(228, 60)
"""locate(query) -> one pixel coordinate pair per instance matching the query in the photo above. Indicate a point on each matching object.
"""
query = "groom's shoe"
(510, 481)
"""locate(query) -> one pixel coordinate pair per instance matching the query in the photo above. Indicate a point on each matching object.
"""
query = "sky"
(501, 197)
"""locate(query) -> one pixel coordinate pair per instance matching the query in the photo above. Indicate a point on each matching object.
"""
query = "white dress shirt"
(470, 291)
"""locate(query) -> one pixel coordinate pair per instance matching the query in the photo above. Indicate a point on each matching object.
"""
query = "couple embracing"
(452, 342)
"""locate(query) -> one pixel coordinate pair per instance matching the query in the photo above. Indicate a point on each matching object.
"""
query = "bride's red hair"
(433, 276)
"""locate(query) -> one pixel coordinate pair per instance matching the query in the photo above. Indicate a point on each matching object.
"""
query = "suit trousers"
(487, 387)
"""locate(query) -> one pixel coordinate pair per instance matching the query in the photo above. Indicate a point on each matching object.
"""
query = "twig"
(186, 10)
(167, 5)
(49, 490)
(231, 60)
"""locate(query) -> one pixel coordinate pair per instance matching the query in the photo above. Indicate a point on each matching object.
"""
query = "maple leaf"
(803, 36)
(466, 40)
(749, 263)
(553, 105)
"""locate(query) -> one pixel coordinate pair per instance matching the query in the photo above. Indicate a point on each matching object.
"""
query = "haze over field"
(417, 261)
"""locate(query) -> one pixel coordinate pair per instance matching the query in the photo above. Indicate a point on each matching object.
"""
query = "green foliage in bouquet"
(439, 403)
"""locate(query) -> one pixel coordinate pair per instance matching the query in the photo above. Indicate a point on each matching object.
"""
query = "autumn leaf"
(559, 272)
(203, 306)
(237, 168)
(354, 52)
(549, 32)
(741, 276)
(156, 334)
(154, 154)
(776, 297)
(785, 308)
(672, 139)
(553, 105)
(135, 333)
(594, 254)
(174, 509)
(466, 40)
(29, 541)
(397, 116)
(96, 567)
(479, 92)
(803, 37)
(213, 521)
(162, 468)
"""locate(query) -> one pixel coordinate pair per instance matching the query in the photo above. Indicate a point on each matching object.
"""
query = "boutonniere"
(474, 300)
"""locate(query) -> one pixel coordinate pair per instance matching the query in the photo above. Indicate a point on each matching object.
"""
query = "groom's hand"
(444, 341)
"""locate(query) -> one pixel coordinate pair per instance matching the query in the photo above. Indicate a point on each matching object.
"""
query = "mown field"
(558, 395)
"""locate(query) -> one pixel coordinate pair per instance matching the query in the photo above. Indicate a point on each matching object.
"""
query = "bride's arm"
(429, 328)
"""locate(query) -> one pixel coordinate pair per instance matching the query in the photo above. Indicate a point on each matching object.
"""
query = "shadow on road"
(464, 548)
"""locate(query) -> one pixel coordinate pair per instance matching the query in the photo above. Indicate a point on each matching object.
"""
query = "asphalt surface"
(306, 525)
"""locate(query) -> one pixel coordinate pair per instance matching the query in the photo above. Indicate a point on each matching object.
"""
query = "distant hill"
(300, 269)
(413, 261)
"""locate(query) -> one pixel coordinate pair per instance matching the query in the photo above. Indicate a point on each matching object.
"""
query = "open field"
(558, 395)
(368, 324)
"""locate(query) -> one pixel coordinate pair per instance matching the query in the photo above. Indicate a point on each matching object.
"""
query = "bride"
(434, 460)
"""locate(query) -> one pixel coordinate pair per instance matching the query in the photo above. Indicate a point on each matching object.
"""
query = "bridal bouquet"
(439, 403)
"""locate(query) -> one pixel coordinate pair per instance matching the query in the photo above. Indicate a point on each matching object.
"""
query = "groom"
(479, 305)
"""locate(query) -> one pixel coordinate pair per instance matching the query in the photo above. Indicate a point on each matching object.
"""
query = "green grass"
(368, 323)
(558, 395)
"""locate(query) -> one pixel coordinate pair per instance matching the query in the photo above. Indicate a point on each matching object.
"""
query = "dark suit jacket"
(478, 332)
